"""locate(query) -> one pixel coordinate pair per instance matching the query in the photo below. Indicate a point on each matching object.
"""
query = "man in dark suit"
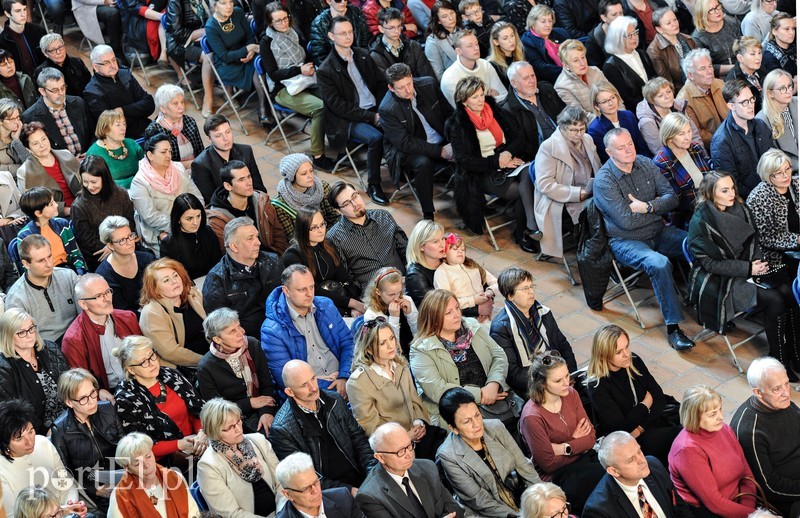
(65, 117)
(634, 485)
(413, 113)
(302, 488)
(402, 487)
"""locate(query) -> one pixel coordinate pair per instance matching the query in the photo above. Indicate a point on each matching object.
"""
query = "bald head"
(300, 383)
(385, 434)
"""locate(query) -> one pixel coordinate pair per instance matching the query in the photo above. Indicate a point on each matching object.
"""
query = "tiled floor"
(709, 362)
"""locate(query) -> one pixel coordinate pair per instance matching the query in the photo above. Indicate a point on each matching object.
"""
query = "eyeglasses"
(563, 513)
(321, 226)
(607, 101)
(474, 12)
(632, 34)
(15, 119)
(108, 293)
(106, 62)
(747, 102)
(309, 487)
(781, 174)
(57, 49)
(784, 89)
(393, 28)
(285, 19)
(93, 395)
(147, 361)
(351, 201)
(233, 426)
(132, 237)
(576, 131)
(402, 451)
(716, 9)
(24, 333)
(528, 288)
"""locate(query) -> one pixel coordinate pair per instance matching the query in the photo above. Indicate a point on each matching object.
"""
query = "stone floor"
(708, 363)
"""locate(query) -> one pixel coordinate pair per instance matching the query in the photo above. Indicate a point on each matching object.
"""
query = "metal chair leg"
(623, 283)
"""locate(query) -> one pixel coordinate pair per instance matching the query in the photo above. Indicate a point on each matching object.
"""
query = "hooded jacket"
(270, 231)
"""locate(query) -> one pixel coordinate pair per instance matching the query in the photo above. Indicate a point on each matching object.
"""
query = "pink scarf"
(242, 365)
(169, 184)
(551, 47)
(175, 129)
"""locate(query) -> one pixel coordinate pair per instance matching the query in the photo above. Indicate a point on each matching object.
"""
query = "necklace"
(227, 26)
(122, 156)
(162, 396)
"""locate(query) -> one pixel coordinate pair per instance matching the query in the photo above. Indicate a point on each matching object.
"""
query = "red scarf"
(133, 501)
(486, 121)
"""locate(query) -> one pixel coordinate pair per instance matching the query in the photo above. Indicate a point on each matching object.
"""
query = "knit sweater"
(55, 316)
(708, 469)
(483, 69)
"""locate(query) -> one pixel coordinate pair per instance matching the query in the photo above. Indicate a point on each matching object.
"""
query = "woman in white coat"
(565, 167)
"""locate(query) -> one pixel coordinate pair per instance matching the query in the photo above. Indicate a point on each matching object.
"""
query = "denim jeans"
(652, 256)
(373, 138)
(57, 10)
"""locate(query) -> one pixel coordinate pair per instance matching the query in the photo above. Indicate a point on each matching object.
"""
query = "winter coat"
(76, 75)
(574, 92)
(593, 255)
(628, 82)
(320, 45)
(371, 8)
(270, 231)
(706, 111)
(29, 92)
(537, 56)
(122, 91)
(730, 152)
(78, 114)
(32, 33)
(666, 61)
(524, 121)
(412, 54)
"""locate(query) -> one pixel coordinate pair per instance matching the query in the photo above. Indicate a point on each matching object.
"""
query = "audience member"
(565, 167)
(413, 114)
(351, 87)
(89, 16)
(469, 63)
(741, 138)
(560, 435)
(578, 17)
(99, 328)
(388, 489)
(56, 170)
(112, 88)
(633, 483)
(121, 154)
(191, 240)
(541, 40)
(237, 473)
(659, 101)
(158, 401)
(473, 286)
(143, 29)
(614, 376)
(638, 236)
(716, 31)
(317, 422)
(505, 48)
(299, 187)
(30, 367)
(779, 112)
(235, 369)
(544, 500)
(14, 85)
(473, 20)
(13, 152)
(607, 103)
(763, 425)
(86, 433)
(421, 11)
(44, 292)
(705, 104)
(35, 502)
(684, 163)
(172, 121)
(372, 10)
(302, 487)
(384, 297)
(478, 456)
(516, 12)
(780, 51)
(749, 56)
(669, 47)
(320, 43)
(439, 46)
(595, 41)
(21, 38)
(627, 67)
(76, 75)
(99, 198)
(575, 81)
(395, 45)
(366, 240)
(154, 188)
(186, 24)
(706, 463)
(172, 314)
(207, 165)
(424, 254)
(756, 23)
(124, 267)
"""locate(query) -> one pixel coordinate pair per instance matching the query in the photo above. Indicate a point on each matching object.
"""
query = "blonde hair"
(367, 341)
(671, 125)
(770, 107)
(423, 232)
(213, 416)
(534, 499)
(652, 87)
(600, 87)
(33, 502)
(431, 313)
(536, 12)
(570, 45)
(495, 54)
(696, 400)
(69, 382)
(105, 121)
(604, 346)
(745, 43)
(383, 277)
(700, 15)
(131, 446)
(769, 163)
(10, 324)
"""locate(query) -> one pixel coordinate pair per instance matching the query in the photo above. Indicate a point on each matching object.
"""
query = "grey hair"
(761, 368)
(48, 74)
(129, 346)
(613, 133)
(110, 224)
(292, 465)
(514, 69)
(100, 50)
(50, 37)
(687, 63)
(379, 435)
(218, 320)
(570, 115)
(7, 106)
(286, 275)
(165, 94)
(83, 282)
(232, 226)
(615, 35)
(605, 453)
(131, 446)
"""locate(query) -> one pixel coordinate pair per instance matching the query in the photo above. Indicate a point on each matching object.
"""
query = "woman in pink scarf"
(541, 42)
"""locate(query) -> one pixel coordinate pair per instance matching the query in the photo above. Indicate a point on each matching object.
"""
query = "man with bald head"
(403, 486)
(318, 422)
(768, 428)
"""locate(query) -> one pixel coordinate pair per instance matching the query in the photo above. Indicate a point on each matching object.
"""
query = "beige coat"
(161, 324)
(574, 92)
(226, 492)
(555, 169)
(377, 400)
(32, 174)
(706, 113)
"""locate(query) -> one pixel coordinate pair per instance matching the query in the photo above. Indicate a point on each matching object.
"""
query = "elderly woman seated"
(146, 484)
(478, 458)
(235, 369)
(627, 67)
(172, 121)
(659, 101)
(237, 473)
(544, 500)
(780, 112)
(575, 81)
(565, 167)
(121, 154)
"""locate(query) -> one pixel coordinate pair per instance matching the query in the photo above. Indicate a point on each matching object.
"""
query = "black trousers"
(109, 15)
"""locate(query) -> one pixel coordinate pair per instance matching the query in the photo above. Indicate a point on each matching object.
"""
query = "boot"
(778, 345)
(793, 339)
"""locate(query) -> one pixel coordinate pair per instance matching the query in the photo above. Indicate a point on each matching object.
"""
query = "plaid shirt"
(66, 129)
(678, 177)
(190, 131)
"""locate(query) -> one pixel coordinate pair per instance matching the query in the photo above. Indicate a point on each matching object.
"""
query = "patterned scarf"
(175, 129)
(458, 349)
(531, 333)
(242, 365)
(169, 184)
(296, 199)
(286, 48)
(242, 459)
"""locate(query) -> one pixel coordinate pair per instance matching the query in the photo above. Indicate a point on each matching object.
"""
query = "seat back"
(204, 46)
(796, 289)
(194, 489)
(356, 326)
(687, 252)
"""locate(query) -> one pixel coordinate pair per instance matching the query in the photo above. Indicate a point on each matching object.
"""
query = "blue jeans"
(373, 138)
(653, 256)
(57, 10)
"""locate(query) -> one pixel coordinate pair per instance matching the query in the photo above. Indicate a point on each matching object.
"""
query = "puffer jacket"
(320, 45)
(594, 255)
(281, 341)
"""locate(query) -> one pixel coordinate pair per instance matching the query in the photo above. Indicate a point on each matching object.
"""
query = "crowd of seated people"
(162, 309)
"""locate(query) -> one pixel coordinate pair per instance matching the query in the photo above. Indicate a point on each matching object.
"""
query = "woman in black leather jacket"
(424, 253)
(86, 434)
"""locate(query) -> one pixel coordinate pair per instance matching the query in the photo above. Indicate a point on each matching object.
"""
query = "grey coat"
(440, 53)
(472, 480)
(85, 12)
(787, 142)
(574, 92)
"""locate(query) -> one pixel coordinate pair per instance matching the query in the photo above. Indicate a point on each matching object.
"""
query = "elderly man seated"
(303, 490)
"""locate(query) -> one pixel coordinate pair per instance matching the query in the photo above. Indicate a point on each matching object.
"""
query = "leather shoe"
(528, 244)
(377, 195)
(679, 341)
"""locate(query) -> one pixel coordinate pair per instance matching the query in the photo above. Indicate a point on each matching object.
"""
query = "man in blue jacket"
(300, 326)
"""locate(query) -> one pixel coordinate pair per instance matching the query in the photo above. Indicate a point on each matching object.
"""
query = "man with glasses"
(21, 38)
(319, 43)
(703, 94)
(76, 75)
(304, 494)
(65, 117)
(469, 63)
(403, 486)
(112, 88)
(97, 331)
(44, 292)
(741, 139)
(318, 423)
(393, 46)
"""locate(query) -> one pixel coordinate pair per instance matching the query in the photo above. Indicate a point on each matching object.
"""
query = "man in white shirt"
(470, 63)
(304, 494)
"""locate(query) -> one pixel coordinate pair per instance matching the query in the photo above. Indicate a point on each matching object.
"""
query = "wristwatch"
(650, 208)
(567, 450)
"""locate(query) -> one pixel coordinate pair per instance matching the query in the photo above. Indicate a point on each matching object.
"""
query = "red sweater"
(708, 469)
(176, 409)
(540, 427)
